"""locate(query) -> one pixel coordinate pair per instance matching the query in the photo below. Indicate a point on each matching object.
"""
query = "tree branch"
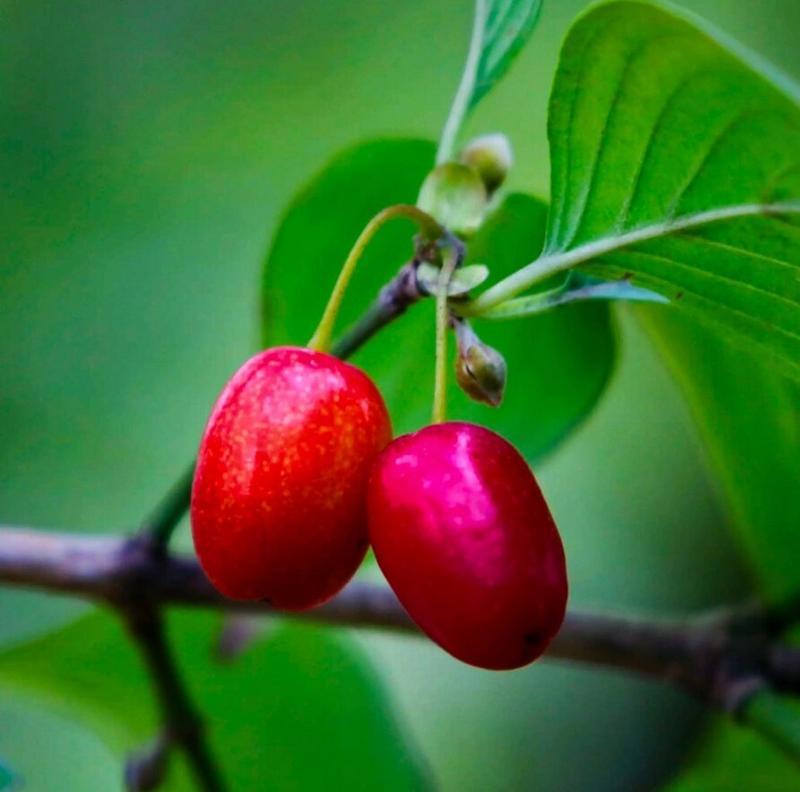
(731, 660)
(393, 300)
(704, 654)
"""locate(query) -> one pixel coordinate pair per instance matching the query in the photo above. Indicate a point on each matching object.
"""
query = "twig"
(169, 512)
(394, 299)
(183, 725)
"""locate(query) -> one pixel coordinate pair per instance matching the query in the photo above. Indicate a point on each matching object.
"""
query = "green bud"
(454, 195)
(480, 369)
(491, 157)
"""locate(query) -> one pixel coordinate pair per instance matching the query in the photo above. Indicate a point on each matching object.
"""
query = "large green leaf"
(685, 170)
(676, 159)
(558, 363)
(297, 693)
(500, 29)
(749, 419)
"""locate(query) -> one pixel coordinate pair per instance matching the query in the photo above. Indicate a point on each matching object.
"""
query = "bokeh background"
(146, 151)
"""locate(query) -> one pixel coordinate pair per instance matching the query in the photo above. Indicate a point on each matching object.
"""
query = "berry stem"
(450, 261)
(321, 339)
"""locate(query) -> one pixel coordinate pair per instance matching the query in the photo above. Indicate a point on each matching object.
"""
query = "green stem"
(321, 339)
(449, 263)
(161, 524)
(460, 106)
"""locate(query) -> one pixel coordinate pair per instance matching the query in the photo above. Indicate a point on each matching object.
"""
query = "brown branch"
(732, 660)
(182, 724)
(704, 655)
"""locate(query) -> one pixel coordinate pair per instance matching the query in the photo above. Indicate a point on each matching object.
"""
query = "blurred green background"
(146, 151)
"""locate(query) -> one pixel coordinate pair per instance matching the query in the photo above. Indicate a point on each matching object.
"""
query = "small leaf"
(499, 31)
(676, 160)
(576, 289)
(508, 25)
(585, 287)
(462, 281)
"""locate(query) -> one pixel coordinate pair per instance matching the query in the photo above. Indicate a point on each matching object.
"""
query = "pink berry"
(465, 538)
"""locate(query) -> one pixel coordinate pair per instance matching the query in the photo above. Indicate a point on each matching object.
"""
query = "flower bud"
(455, 196)
(480, 369)
(491, 157)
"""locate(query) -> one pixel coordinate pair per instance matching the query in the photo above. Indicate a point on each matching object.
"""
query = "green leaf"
(558, 363)
(748, 416)
(575, 289)
(676, 159)
(507, 26)
(299, 692)
(499, 31)
(749, 419)
(735, 758)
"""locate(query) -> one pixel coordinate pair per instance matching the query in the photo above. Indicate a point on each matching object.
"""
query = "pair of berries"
(296, 476)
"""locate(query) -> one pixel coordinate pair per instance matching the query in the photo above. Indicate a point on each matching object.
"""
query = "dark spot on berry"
(679, 295)
(627, 276)
(267, 601)
(533, 638)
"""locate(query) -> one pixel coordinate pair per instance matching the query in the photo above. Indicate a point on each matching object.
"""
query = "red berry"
(278, 503)
(464, 536)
